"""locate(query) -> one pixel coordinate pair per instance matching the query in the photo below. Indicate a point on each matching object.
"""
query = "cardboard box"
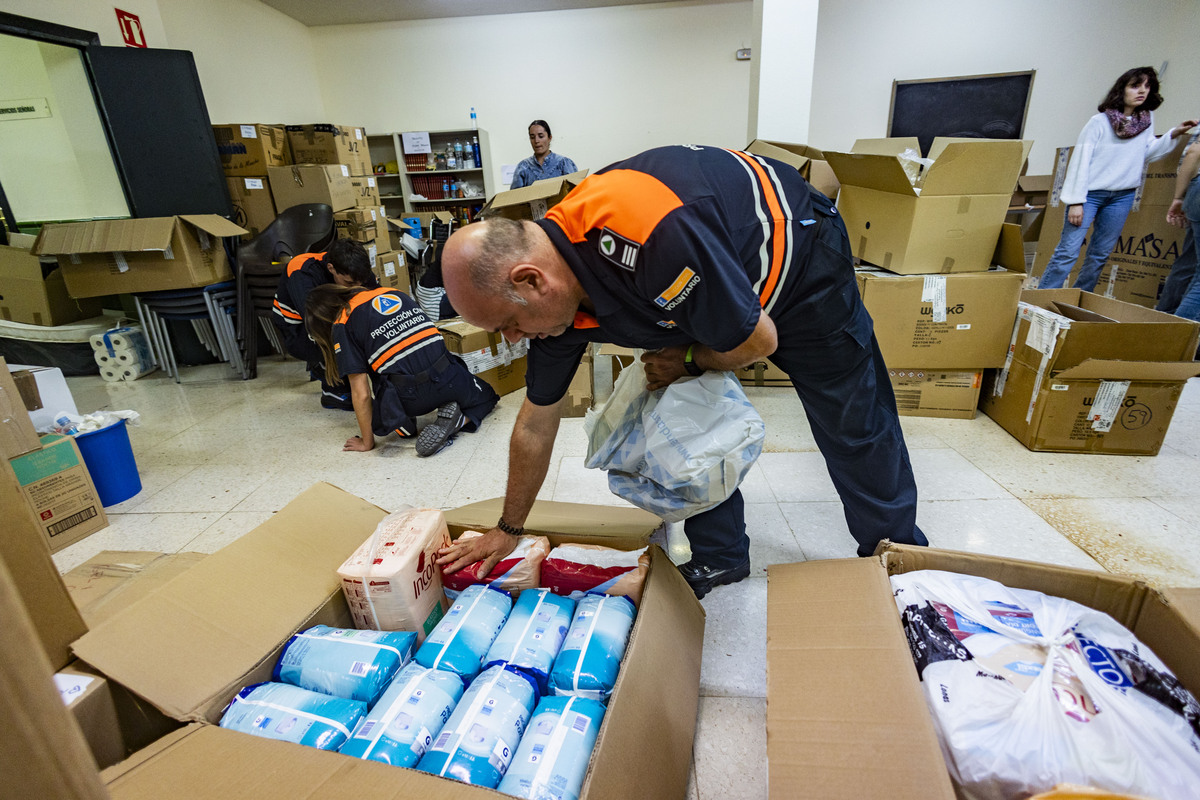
(949, 394)
(1158, 179)
(89, 697)
(33, 291)
(487, 354)
(17, 434)
(113, 580)
(253, 205)
(366, 191)
(311, 183)
(581, 392)
(1033, 191)
(834, 624)
(808, 161)
(193, 643)
(331, 144)
(59, 491)
(362, 225)
(54, 395)
(391, 269)
(248, 150)
(532, 201)
(1091, 374)
(116, 256)
(949, 223)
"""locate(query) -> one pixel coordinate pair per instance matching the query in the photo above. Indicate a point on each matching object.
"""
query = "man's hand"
(489, 548)
(357, 444)
(664, 367)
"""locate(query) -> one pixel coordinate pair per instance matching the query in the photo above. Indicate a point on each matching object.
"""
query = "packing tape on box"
(112, 373)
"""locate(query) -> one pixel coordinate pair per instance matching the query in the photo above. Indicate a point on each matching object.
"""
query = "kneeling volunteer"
(389, 350)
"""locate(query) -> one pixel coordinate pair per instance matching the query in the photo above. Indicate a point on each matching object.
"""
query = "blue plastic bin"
(109, 458)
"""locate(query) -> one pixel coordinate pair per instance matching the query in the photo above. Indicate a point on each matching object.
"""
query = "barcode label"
(442, 741)
(364, 732)
(70, 522)
(580, 725)
(359, 668)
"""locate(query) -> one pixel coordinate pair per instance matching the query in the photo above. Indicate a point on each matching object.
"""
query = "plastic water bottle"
(64, 426)
(458, 152)
(454, 187)
(474, 122)
(475, 147)
(445, 187)
(451, 160)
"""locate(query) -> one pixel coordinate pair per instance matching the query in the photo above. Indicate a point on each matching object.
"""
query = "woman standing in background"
(1104, 174)
(543, 163)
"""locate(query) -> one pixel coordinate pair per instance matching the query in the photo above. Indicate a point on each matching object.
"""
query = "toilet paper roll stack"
(122, 353)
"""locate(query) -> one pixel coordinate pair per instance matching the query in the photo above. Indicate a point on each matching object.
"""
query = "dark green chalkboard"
(984, 106)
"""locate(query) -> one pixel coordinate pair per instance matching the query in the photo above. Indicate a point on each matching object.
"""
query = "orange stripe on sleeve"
(403, 344)
(627, 202)
(299, 261)
(288, 314)
(778, 245)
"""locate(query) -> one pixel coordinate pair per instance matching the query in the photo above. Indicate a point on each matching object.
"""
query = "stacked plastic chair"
(208, 308)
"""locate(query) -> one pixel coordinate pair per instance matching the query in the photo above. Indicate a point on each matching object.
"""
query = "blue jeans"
(1107, 211)
(1189, 306)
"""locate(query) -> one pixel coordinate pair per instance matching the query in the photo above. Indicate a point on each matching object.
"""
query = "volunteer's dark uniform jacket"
(686, 244)
(385, 334)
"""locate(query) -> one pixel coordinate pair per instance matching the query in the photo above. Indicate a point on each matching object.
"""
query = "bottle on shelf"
(445, 187)
(440, 160)
(468, 157)
(458, 153)
(451, 161)
(430, 161)
(475, 151)
(474, 122)
(454, 191)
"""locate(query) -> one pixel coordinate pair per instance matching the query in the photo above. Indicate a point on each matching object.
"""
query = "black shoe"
(440, 432)
(338, 403)
(702, 578)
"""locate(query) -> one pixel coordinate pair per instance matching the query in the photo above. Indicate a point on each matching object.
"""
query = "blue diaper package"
(461, 639)
(553, 755)
(291, 714)
(343, 662)
(533, 634)
(402, 726)
(477, 743)
(590, 658)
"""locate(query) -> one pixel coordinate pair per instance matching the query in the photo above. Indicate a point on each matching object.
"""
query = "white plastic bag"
(1028, 691)
(677, 451)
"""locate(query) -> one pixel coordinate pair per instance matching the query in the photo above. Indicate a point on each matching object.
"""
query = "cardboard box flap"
(538, 190)
(186, 645)
(880, 172)
(1036, 183)
(615, 526)
(114, 579)
(1170, 626)
(977, 167)
(105, 236)
(841, 683)
(891, 146)
(1111, 370)
(213, 224)
(797, 155)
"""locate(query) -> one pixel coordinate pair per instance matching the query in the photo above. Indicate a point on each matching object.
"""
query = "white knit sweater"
(1101, 161)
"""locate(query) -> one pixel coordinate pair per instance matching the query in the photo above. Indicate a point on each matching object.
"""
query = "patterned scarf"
(1127, 127)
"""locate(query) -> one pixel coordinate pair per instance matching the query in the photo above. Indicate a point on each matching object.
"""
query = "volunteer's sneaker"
(341, 403)
(702, 578)
(440, 432)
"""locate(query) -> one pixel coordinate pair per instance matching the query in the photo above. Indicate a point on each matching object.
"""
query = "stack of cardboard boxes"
(247, 152)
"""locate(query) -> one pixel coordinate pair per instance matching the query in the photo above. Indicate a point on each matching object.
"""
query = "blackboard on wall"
(983, 106)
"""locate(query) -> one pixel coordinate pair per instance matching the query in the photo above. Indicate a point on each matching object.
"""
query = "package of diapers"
(392, 582)
(553, 755)
(291, 714)
(520, 569)
(477, 743)
(590, 658)
(461, 640)
(533, 634)
(582, 568)
(344, 662)
(401, 727)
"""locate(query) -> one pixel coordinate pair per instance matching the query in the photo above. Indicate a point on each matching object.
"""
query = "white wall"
(610, 81)
(1077, 49)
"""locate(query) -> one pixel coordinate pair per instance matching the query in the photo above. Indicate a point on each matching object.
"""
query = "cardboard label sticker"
(71, 686)
(933, 291)
(254, 183)
(122, 264)
(1107, 404)
(249, 132)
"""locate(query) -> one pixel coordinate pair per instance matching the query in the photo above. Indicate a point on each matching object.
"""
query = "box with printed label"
(947, 221)
(362, 225)
(488, 355)
(391, 269)
(331, 144)
(32, 289)
(532, 201)
(253, 205)
(1089, 374)
(116, 256)
(808, 161)
(59, 491)
(312, 183)
(248, 150)
(948, 394)
(366, 191)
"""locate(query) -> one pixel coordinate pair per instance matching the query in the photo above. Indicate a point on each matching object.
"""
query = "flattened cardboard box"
(117, 256)
(192, 644)
(532, 201)
(253, 205)
(248, 150)
(60, 492)
(808, 161)
(947, 394)
(833, 624)
(36, 294)
(311, 183)
(948, 224)
(114, 579)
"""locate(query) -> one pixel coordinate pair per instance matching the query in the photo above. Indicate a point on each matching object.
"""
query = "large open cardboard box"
(846, 716)
(949, 223)
(190, 645)
(532, 201)
(35, 294)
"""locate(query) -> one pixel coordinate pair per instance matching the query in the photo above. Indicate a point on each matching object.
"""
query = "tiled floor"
(218, 456)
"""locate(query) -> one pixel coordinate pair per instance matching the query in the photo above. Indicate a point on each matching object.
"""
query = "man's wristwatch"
(511, 530)
(689, 365)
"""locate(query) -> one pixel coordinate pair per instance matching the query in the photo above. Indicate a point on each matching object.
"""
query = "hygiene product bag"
(291, 714)
(572, 569)
(590, 658)
(520, 569)
(1028, 691)
(344, 662)
(533, 634)
(461, 640)
(392, 582)
(553, 755)
(677, 451)
(401, 727)
(477, 743)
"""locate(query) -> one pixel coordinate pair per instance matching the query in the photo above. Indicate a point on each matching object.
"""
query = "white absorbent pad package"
(291, 714)
(478, 741)
(533, 634)
(1028, 691)
(590, 657)
(344, 662)
(401, 727)
(392, 582)
(461, 640)
(572, 569)
(520, 569)
(553, 755)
